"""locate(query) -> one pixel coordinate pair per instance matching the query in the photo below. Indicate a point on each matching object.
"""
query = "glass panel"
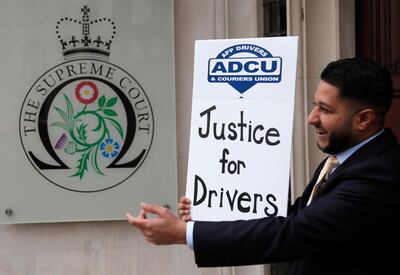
(274, 18)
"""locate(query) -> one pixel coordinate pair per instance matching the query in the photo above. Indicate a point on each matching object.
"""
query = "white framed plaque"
(89, 109)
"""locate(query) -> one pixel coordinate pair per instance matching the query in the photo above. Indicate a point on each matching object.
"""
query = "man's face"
(332, 118)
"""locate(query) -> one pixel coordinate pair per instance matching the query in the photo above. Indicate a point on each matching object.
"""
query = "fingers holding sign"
(166, 228)
(184, 209)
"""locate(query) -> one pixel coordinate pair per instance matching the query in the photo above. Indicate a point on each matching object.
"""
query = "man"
(347, 221)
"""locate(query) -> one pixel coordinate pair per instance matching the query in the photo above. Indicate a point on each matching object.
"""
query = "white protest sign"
(241, 131)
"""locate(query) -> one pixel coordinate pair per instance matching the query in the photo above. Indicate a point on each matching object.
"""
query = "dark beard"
(337, 144)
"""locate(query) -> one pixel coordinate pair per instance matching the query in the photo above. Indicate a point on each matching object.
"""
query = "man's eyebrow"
(322, 104)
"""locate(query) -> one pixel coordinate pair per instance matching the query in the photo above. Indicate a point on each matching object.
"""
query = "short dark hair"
(363, 81)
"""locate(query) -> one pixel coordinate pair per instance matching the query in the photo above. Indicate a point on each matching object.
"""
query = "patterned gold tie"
(329, 165)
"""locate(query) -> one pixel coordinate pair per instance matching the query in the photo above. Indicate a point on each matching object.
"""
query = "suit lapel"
(307, 192)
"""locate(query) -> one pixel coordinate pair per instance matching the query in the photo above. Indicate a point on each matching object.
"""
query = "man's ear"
(365, 118)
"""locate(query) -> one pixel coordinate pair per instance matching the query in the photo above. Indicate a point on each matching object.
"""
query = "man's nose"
(313, 117)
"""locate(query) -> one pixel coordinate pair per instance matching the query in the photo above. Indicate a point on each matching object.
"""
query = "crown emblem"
(85, 37)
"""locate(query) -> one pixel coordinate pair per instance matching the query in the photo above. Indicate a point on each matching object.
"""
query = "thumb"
(152, 208)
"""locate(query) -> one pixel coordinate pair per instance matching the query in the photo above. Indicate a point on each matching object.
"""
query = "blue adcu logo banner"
(244, 65)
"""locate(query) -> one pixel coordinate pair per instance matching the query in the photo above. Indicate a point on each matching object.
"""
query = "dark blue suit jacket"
(352, 226)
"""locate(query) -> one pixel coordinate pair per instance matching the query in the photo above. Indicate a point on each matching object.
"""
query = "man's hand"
(164, 229)
(184, 209)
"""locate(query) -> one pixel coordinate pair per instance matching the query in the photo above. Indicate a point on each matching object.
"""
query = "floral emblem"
(86, 92)
(109, 148)
(83, 140)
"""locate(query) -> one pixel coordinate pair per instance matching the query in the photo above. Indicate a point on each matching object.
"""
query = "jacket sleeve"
(356, 216)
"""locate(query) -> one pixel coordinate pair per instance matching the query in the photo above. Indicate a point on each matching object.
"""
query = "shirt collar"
(343, 156)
